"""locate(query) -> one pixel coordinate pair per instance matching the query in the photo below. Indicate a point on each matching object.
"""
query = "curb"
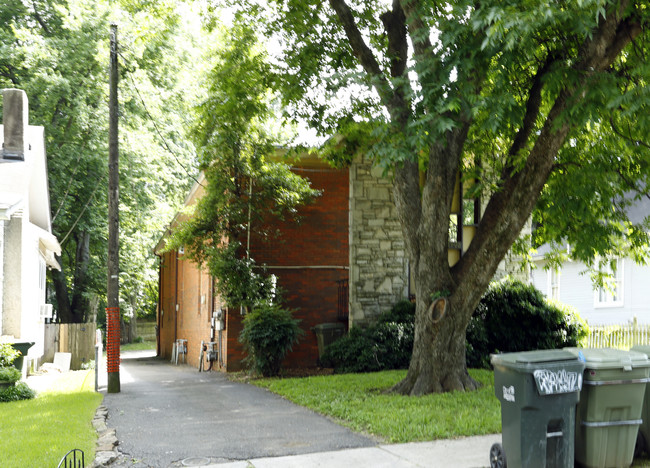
(105, 451)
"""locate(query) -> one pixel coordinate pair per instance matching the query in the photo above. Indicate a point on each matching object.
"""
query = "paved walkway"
(172, 416)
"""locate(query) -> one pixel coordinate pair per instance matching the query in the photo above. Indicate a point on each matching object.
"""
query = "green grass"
(357, 401)
(40, 432)
(144, 346)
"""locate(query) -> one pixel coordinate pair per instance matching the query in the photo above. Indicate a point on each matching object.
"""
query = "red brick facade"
(308, 259)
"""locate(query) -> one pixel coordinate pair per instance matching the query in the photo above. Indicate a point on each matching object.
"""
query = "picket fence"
(622, 336)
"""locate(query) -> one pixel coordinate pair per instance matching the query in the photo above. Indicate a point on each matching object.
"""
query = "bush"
(388, 344)
(8, 354)
(9, 374)
(513, 316)
(20, 391)
(268, 335)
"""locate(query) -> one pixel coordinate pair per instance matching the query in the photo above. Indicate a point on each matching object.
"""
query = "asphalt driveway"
(166, 414)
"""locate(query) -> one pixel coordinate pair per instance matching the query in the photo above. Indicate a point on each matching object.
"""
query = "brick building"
(345, 262)
(310, 260)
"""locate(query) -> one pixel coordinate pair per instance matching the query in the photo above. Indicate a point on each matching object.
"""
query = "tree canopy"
(237, 133)
(57, 51)
(535, 104)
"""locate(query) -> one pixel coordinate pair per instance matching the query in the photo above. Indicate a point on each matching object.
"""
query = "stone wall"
(378, 264)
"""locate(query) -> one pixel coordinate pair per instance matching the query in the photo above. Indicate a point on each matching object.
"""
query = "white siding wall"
(576, 289)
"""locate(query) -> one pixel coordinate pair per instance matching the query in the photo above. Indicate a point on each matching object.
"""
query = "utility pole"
(113, 285)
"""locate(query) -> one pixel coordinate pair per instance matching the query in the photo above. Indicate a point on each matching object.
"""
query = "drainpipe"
(2, 269)
(176, 298)
(160, 306)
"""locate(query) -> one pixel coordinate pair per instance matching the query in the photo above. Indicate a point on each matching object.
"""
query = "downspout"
(2, 269)
(242, 309)
(160, 305)
(176, 298)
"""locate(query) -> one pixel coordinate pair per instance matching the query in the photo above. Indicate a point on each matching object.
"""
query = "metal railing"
(73, 459)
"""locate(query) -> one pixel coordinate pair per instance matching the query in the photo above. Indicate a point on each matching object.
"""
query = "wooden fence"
(618, 336)
(75, 338)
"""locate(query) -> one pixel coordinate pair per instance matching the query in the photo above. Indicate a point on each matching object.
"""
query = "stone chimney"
(15, 121)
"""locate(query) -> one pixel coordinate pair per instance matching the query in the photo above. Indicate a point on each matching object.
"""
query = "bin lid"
(645, 349)
(609, 358)
(525, 359)
(555, 371)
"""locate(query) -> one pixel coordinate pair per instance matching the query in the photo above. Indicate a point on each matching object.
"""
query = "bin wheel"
(497, 457)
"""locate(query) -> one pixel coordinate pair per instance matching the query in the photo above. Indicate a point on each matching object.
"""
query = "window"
(611, 292)
(553, 284)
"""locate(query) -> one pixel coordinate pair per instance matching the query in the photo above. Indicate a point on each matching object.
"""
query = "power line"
(155, 125)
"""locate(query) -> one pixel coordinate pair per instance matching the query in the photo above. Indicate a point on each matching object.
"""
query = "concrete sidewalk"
(470, 452)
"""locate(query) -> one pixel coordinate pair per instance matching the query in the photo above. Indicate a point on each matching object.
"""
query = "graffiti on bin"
(509, 393)
(552, 382)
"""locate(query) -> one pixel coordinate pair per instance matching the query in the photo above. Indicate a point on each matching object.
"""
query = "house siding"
(577, 290)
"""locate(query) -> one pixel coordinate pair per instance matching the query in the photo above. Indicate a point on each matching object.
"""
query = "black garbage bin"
(538, 391)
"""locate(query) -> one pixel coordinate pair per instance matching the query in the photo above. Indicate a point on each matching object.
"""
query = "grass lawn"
(41, 431)
(144, 346)
(357, 401)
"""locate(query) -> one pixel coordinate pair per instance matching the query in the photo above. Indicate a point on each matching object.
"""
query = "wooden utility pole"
(113, 286)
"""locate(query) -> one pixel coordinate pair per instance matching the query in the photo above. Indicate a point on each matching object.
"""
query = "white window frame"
(553, 283)
(602, 296)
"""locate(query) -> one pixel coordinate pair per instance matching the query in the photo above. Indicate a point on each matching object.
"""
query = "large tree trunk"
(63, 309)
(80, 302)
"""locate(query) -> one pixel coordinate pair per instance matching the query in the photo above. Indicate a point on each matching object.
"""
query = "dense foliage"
(527, 101)
(20, 391)
(386, 344)
(269, 333)
(9, 374)
(57, 52)
(8, 354)
(513, 316)
(246, 182)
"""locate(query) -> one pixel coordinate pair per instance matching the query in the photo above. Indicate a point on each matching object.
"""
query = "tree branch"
(40, 21)
(363, 53)
(532, 107)
(509, 208)
(395, 24)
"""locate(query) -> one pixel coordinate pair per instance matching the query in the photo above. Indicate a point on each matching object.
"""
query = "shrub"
(9, 374)
(513, 316)
(268, 335)
(20, 391)
(388, 344)
(8, 354)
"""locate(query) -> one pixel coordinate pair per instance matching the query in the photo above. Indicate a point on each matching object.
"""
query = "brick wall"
(308, 258)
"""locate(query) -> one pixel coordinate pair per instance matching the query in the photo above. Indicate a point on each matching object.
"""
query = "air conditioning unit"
(46, 311)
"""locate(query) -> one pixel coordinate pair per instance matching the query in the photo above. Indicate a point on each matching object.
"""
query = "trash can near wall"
(643, 439)
(609, 413)
(538, 391)
(326, 334)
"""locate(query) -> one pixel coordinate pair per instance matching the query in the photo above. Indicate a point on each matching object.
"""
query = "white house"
(27, 246)
(627, 294)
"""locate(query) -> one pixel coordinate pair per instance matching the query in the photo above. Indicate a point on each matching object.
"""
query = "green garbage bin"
(23, 348)
(538, 391)
(609, 413)
(643, 438)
